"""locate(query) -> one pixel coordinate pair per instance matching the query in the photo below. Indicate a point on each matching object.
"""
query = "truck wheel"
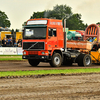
(33, 62)
(56, 60)
(84, 60)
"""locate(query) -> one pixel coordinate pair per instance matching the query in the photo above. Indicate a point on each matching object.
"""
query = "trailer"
(45, 41)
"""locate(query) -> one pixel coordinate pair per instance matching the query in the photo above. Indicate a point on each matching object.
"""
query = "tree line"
(4, 21)
(73, 21)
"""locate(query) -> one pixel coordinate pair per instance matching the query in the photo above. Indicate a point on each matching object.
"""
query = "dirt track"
(74, 87)
(77, 87)
(24, 65)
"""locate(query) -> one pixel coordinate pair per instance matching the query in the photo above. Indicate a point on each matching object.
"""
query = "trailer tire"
(56, 60)
(33, 62)
(84, 60)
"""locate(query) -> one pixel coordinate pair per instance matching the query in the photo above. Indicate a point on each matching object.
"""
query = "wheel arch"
(57, 51)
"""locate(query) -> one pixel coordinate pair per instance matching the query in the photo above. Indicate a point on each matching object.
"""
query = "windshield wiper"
(32, 46)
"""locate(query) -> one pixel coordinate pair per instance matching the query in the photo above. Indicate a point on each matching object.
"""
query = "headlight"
(43, 53)
(24, 53)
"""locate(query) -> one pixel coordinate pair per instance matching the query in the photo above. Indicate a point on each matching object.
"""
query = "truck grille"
(33, 52)
(33, 46)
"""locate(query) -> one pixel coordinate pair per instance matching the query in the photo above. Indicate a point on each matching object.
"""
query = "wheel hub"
(87, 60)
(56, 60)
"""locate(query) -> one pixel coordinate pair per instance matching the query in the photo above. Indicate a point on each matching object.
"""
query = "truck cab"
(41, 38)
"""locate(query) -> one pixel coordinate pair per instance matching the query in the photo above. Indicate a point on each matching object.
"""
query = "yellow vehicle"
(18, 35)
(95, 56)
(92, 31)
(5, 34)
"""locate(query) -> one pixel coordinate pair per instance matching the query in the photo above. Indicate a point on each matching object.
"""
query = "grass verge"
(40, 72)
(10, 57)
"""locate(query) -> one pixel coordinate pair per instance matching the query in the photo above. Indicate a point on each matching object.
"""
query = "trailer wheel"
(33, 62)
(84, 60)
(56, 60)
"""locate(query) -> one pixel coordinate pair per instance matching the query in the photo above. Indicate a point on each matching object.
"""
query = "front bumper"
(35, 57)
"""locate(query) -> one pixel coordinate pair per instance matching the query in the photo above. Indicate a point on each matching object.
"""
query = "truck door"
(52, 38)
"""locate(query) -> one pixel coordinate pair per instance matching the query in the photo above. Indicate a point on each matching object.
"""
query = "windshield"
(35, 33)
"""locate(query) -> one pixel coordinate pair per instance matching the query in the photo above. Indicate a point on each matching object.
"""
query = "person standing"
(10, 42)
(15, 43)
(4, 42)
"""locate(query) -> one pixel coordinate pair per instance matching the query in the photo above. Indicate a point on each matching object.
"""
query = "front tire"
(33, 62)
(56, 60)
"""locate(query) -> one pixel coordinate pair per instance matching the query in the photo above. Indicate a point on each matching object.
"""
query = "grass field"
(40, 72)
(10, 57)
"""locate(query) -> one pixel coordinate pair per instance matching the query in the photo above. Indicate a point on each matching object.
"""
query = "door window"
(52, 32)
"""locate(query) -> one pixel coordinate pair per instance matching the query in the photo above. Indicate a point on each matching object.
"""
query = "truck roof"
(45, 21)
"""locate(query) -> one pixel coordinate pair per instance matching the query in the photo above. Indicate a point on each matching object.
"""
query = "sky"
(19, 11)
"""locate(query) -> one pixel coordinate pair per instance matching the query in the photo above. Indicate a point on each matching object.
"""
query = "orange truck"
(45, 41)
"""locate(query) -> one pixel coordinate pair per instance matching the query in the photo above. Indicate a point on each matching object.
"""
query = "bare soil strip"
(74, 87)
(24, 65)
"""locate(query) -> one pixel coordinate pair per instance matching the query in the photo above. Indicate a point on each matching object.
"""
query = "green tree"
(17, 30)
(61, 11)
(75, 23)
(58, 12)
(37, 15)
(98, 23)
(4, 22)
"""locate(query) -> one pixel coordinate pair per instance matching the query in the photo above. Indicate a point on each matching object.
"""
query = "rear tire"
(84, 60)
(56, 60)
(33, 62)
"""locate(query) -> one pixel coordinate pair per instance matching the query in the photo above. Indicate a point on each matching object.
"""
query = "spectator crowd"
(9, 42)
